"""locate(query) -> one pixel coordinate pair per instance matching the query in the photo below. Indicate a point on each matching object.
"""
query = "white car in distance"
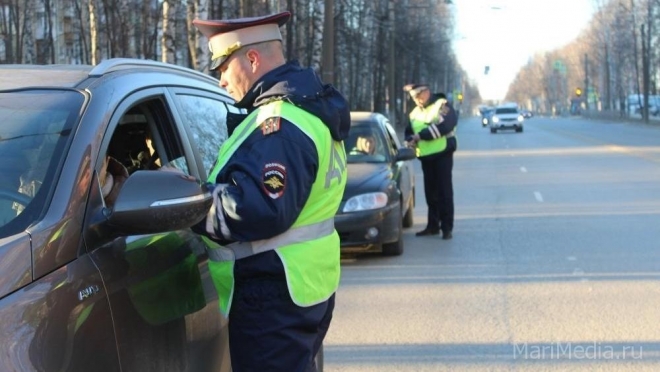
(506, 117)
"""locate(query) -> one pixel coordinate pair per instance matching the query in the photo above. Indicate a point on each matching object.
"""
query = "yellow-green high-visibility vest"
(309, 250)
(420, 117)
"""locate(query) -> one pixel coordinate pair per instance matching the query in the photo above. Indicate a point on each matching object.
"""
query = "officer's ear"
(252, 56)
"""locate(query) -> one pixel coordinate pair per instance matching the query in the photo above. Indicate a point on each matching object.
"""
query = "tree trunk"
(167, 38)
(83, 54)
(94, 33)
(197, 43)
(26, 51)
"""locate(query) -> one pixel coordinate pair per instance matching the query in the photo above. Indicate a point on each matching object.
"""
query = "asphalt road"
(554, 265)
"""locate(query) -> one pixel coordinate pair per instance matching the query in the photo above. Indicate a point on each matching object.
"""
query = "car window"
(365, 144)
(392, 139)
(143, 139)
(506, 110)
(35, 129)
(206, 117)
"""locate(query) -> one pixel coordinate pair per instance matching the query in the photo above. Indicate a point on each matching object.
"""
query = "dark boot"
(427, 231)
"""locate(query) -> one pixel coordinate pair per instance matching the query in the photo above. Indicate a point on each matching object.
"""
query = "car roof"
(70, 76)
(21, 76)
(363, 116)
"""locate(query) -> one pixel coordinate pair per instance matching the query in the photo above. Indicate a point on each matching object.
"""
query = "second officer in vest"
(279, 179)
(432, 130)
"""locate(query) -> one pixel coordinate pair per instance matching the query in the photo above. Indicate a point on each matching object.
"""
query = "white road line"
(523, 169)
(571, 258)
(578, 271)
(538, 196)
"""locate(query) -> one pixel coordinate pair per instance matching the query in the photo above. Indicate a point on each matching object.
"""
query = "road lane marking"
(571, 258)
(523, 169)
(538, 196)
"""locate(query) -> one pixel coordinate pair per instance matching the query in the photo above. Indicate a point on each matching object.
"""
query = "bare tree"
(167, 32)
(94, 33)
(197, 43)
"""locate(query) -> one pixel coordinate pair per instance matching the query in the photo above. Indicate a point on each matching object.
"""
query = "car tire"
(409, 218)
(519, 129)
(493, 130)
(395, 248)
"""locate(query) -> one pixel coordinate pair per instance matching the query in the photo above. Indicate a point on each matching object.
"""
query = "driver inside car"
(365, 144)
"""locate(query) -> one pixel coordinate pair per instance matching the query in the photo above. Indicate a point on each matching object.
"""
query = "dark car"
(380, 194)
(486, 116)
(88, 286)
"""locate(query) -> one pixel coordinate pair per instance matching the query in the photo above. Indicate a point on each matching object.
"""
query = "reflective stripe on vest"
(309, 250)
(419, 119)
(292, 236)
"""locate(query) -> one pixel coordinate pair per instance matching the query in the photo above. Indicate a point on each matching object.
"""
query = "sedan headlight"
(365, 202)
(521, 118)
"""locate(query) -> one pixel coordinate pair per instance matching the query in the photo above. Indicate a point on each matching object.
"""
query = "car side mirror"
(158, 201)
(405, 153)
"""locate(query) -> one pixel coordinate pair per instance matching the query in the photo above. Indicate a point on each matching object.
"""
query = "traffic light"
(578, 92)
(460, 97)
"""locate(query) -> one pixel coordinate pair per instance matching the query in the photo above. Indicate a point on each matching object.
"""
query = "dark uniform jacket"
(446, 127)
(251, 212)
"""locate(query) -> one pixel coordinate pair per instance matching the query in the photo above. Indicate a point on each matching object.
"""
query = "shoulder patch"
(270, 125)
(444, 110)
(274, 179)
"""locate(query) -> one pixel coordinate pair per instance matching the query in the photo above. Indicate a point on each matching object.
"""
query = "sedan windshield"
(35, 127)
(365, 145)
(506, 110)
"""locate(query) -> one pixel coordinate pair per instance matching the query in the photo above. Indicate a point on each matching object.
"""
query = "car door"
(402, 169)
(54, 313)
(164, 306)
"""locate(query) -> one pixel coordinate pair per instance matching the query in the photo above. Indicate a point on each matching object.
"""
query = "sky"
(505, 34)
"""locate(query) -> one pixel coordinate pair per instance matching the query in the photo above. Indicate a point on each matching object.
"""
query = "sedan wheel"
(395, 248)
(408, 219)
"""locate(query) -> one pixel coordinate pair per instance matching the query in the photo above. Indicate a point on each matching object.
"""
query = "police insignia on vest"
(274, 179)
(270, 125)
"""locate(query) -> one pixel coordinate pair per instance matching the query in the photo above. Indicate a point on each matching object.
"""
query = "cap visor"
(215, 64)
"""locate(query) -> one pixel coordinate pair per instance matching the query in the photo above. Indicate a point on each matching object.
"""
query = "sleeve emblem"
(274, 180)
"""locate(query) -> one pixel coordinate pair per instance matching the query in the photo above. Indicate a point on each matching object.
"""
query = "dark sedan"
(380, 194)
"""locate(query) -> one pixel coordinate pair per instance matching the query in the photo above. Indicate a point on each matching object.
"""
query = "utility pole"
(586, 81)
(645, 76)
(391, 69)
(328, 56)
(634, 30)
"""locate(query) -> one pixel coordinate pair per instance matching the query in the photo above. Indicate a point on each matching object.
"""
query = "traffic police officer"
(432, 130)
(279, 179)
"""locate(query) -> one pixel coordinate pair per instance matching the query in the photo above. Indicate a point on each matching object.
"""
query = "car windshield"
(34, 131)
(506, 110)
(365, 145)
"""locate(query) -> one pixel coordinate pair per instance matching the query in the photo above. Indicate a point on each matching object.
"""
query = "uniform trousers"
(270, 333)
(439, 191)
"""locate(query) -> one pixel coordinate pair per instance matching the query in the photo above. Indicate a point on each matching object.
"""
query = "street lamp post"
(328, 55)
